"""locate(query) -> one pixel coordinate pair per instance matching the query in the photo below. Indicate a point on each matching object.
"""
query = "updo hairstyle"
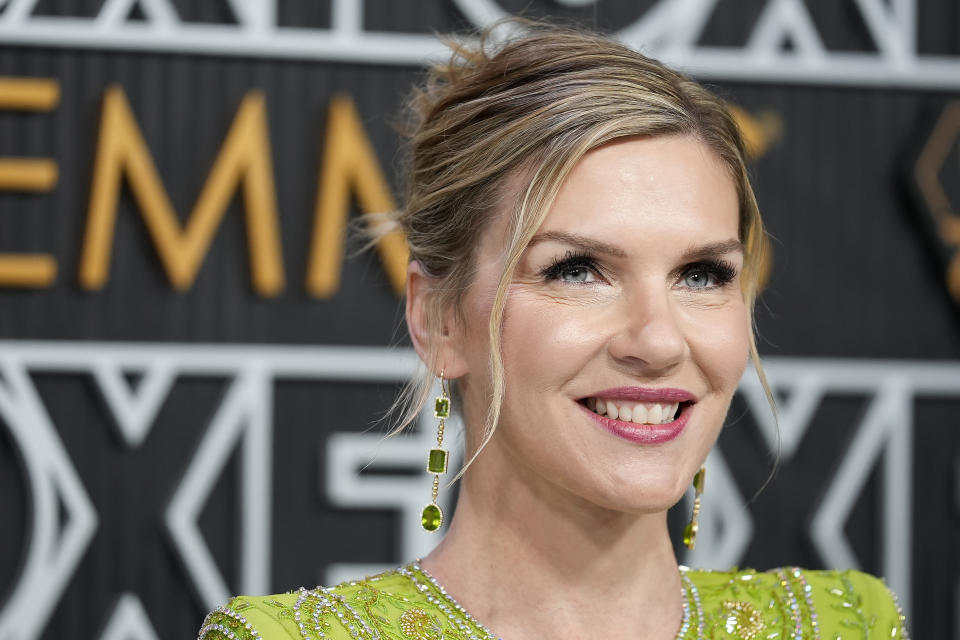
(531, 105)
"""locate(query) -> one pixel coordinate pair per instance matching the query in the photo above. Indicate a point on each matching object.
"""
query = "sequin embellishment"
(322, 603)
(457, 615)
(741, 620)
(417, 625)
(229, 623)
(410, 604)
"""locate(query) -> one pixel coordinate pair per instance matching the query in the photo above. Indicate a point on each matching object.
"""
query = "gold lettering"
(244, 159)
(27, 174)
(37, 270)
(29, 94)
(953, 277)
(758, 131)
(933, 157)
(349, 165)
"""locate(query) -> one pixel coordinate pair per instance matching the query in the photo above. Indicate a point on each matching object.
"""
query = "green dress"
(409, 604)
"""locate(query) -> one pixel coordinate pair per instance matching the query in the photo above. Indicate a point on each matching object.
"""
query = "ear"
(440, 343)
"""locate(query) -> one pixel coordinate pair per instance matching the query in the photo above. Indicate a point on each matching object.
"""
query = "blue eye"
(572, 268)
(576, 273)
(699, 278)
(708, 275)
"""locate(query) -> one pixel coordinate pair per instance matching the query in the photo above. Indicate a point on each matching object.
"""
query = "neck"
(531, 560)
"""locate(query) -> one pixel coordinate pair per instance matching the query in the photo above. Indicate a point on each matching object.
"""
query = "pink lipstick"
(645, 394)
(644, 433)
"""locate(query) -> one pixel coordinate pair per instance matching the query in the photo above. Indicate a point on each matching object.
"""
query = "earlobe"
(435, 340)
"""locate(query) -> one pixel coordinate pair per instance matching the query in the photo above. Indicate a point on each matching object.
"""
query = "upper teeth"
(639, 412)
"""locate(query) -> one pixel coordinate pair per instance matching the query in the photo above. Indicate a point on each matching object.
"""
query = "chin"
(654, 495)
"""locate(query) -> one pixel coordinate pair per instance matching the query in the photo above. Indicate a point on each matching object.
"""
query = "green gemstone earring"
(432, 516)
(690, 531)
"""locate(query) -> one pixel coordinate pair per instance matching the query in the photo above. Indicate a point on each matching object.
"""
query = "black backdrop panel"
(855, 279)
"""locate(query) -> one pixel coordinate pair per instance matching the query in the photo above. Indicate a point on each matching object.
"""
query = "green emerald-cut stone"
(689, 535)
(432, 517)
(437, 462)
(441, 407)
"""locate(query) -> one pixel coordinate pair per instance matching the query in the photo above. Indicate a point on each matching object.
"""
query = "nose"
(649, 336)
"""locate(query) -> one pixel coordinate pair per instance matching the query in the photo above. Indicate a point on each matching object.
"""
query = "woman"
(585, 254)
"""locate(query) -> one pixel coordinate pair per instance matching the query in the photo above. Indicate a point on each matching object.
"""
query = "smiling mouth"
(636, 412)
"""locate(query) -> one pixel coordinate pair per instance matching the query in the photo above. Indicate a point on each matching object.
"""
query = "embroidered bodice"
(409, 604)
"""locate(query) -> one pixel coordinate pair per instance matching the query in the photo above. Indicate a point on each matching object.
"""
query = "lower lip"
(643, 433)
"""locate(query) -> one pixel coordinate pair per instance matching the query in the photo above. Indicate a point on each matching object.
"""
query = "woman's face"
(625, 331)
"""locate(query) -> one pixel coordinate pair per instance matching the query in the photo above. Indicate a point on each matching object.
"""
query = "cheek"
(720, 345)
(546, 342)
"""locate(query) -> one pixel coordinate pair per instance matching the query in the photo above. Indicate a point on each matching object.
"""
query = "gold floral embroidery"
(409, 605)
(366, 595)
(738, 620)
(417, 625)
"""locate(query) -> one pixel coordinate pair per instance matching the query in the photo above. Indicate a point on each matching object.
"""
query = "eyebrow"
(583, 242)
(713, 249)
(709, 250)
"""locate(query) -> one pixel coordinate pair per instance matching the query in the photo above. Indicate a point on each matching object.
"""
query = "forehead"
(648, 186)
(665, 191)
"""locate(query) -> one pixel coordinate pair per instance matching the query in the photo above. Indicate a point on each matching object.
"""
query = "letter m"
(244, 159)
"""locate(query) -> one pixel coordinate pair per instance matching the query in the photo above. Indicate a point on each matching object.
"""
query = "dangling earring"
(432, 516)
(690, 531)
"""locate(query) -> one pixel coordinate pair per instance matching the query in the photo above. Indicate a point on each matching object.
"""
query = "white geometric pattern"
(55, 548)
(786, 20)
(886, 429)
(784, 432)
(725, 527)
(243, 419)
(134, 410)
(129, 621)
(244, 414)
(347, 454)
(669, 29)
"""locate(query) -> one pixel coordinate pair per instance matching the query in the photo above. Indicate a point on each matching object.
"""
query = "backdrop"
(193, 357)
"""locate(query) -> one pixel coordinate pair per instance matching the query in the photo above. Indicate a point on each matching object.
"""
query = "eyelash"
(571, 260)
(722, 271)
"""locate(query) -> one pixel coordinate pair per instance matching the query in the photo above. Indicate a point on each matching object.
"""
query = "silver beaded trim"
(446, 602)
(808, 599)
(336, 604)
(230, 613)
(210, 628)
(690, 593)
(457, 615)
(793, 604)
(901, 619)
(685, 622)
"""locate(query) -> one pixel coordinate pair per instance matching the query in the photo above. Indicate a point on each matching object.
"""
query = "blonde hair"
(533, 105)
